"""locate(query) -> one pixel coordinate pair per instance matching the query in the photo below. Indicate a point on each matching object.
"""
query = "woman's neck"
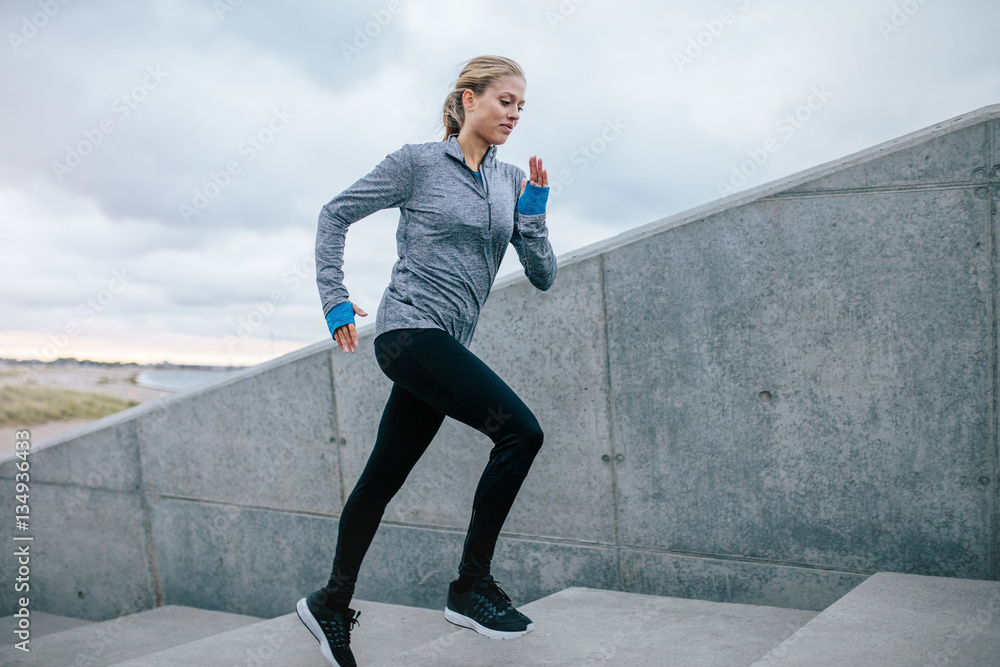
(473, 148)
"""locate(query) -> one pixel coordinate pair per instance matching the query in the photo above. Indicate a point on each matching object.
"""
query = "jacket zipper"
(486, 193)
(489, 206)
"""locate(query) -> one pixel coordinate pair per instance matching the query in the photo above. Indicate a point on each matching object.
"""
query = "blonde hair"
(477, 75)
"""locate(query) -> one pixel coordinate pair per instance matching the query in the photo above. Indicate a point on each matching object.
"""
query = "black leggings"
(435, 375)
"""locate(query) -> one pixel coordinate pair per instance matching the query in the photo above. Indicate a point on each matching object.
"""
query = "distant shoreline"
(73, 361)
(127, 381)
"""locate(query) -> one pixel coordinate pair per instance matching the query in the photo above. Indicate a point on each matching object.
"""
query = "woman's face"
(495, 113)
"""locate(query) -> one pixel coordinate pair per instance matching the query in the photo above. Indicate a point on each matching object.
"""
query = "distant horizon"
(149, 350)
(65, 361)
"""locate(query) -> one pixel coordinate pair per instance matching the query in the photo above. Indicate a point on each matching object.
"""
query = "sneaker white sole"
(454, 617)
(308, 620)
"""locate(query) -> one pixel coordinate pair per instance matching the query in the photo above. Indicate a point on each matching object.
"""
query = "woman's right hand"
(347, 335)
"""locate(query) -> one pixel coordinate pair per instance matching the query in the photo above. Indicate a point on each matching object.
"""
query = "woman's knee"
(526, 444)
(530, 438)
(533, 435)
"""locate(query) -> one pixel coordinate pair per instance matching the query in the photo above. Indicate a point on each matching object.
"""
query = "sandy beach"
(118, 382)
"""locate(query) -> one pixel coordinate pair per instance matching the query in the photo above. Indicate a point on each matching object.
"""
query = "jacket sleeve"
(388, 185)
(531, 241)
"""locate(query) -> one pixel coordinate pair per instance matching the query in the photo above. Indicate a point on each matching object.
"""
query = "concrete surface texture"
(762, 400)
(119, 639)
(890, 620)
(40, 624)
(897, 620)
(384, 631)
(577, 626)
(580, 626)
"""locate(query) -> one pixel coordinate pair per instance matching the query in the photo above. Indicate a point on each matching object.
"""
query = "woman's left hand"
(539, 177)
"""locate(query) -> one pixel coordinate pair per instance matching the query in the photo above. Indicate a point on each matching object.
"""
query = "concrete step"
(385, 630)
(124, 638)
(901, 619)
(584, 626)
(39, 625)
(890, 619)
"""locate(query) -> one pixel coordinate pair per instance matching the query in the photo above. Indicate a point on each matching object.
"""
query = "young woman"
(459, 208)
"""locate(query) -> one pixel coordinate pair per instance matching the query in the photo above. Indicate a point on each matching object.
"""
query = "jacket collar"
(453, 149)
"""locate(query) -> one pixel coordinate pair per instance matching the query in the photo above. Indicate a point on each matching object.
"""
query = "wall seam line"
(994, 304)
(899, 188)
(337, 437)
(460, 530)
(147, 521)
(609, 407)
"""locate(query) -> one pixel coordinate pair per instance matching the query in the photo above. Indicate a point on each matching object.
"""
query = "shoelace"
(496, 596)
(338, 633)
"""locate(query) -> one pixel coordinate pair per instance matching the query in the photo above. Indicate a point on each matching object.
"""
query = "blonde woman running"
(459, 208)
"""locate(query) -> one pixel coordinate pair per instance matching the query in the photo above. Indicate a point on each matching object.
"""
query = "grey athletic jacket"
(452, 235)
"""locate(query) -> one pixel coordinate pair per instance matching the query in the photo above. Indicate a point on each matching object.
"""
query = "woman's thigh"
(433, 365)
(406, 429)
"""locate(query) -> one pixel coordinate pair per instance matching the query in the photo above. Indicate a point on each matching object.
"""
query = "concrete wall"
(762, 400)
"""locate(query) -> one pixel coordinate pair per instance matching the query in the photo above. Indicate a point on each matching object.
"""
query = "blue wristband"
(532, 202)
(339, 316)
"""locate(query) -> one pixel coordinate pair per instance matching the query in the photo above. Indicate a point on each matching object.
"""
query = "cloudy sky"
(163, 163)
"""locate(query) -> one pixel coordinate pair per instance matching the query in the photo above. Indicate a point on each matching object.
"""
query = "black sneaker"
(331, 628)
(486, 609)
